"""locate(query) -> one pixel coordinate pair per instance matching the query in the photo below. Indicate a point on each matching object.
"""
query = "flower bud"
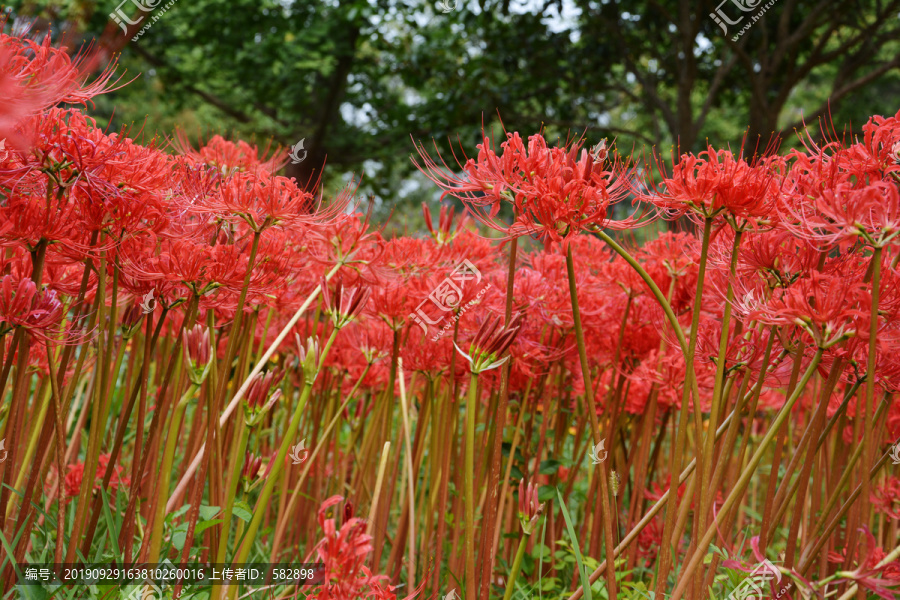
(196, 353)
(258, 399)
(344, 307)
(252, 465)
(131, 320)
(491, 342)
(309, 358)
(530, 509)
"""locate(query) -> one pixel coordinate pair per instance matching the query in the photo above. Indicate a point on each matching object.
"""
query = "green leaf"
(32, 592)
(582, 572)
(208, 512)
(242, 511)
(549, 466)
(204, 525)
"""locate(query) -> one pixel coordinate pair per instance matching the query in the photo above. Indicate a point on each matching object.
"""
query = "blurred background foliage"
(359, 80)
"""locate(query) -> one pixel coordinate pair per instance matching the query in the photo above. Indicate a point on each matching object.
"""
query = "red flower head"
(21, 305)
(228, 157)
(845, 213)
(75, 475)
(555, 192)
(35, 76)
(718, 183)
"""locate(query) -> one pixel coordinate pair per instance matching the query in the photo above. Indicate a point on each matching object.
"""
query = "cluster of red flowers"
(95, 223)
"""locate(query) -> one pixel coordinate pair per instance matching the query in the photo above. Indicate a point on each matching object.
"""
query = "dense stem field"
(204, 362)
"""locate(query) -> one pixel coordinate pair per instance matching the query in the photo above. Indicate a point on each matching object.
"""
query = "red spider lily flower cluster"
(75, 474)
(120, 259)
(555, 192)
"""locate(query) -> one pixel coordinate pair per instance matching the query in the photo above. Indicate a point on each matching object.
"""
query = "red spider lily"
(530, 508)
(343, 553)
(227, 157)
(196, 348)
(444, 233)
(884, 580)
(252, 467)
(555, 192)
(21, 305)
(762, 562)
(75, 475)
(878, 155)
(823, 305)
(846, 213)
(886, 498)
(344, 307)
(35, 76)
(649, 541)
(490, 342)
(263, 200)
(718, 183)
(259, 395)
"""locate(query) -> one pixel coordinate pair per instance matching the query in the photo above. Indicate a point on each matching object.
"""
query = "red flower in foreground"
(343, 552)
(883, 580)
(35, 76)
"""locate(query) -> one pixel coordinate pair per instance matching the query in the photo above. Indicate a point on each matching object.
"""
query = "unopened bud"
(131, 320)
(196, 353)
(259, 399)
(309, 358)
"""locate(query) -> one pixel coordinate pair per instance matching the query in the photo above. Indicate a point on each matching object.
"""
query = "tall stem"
(741, 484)
(239, 395)
(675, 460)
(471, 410)
(491, 508)
(165, 474)
(516, 567)
(262, 503)
(869, 405)
(709, 447)
(591, 409)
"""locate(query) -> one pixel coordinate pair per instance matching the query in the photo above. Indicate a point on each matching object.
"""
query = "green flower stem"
(238, 396)
(469, 472)
(237, 463)
(675, 460)
(295, 494)
(516, 568)
(262, 503)
(740, 486)
(165, 474)
(869, 405)
(591, 409)
(709, 446)
(654, 289)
